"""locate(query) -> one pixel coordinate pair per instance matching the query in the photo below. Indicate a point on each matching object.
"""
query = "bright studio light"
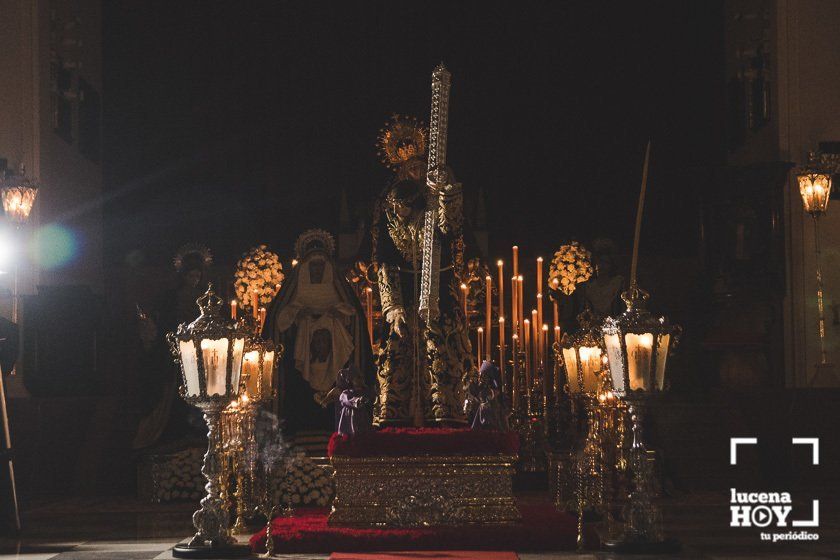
(7, 251)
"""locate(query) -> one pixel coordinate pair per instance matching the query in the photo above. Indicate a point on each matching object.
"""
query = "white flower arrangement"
(570, 266)
(258, 271)
(304, 483)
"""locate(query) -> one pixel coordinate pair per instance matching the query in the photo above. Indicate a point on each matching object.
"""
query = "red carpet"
(542, 528)
(428, 555)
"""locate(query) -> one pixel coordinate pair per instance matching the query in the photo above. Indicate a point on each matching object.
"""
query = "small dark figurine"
(483, 404)
(352, 405)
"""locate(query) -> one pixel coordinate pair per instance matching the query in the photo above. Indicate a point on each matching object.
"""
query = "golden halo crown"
(314, 240)
(400, 140)
(192, 250)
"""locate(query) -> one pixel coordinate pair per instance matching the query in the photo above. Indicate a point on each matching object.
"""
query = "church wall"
(32, 35)
(35, 35)
(809, 111)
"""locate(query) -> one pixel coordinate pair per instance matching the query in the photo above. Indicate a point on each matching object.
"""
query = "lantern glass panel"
(590, 361)
(614, 355)
(268, 374)
(815, 189)
(18, 202)
(661, 358)
(251, 371)
(189, 362)
(570, 359)
(214, 353)
(236, 364)
(639, 355)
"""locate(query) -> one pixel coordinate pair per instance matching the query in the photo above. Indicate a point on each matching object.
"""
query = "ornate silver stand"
(642, 519)
(212, 538)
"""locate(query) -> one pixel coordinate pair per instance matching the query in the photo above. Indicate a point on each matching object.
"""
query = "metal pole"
(8, 441)
(820, 308)
(16, 293)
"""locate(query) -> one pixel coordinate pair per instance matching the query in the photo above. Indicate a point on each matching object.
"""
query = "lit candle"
(254, 304)
(464, 290)
(539, 291)
(214, 355)
(556, 307)
(535, 341)
(516, 260)
(520, 301)
(251, 373)
(502, 348)
(488, 325)
(526, 328)
(515, 382)
(369, 312)
(639, 353)
(267, 373)
(546, 376)
(479, 345)
(501, 266)
(261, 317)
(557, 333)
(514, 303)
(590, 365)
(233, 309)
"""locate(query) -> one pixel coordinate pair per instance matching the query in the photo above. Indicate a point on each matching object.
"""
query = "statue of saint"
(483, 403)
(420, 365)
(602, 293)
(317, 318)
(166, 417)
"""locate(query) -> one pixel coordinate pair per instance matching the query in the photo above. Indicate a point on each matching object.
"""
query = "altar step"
(313, 443)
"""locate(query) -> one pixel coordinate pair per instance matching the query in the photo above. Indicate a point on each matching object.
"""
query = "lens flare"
(54, 246)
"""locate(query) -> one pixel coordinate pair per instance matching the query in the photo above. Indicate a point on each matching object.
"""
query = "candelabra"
(582, 359)
(523, 417)
(209, 351)
(637, 346)
(611, 413)
(258, 370)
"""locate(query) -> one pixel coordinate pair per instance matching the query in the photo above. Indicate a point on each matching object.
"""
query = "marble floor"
(100, 529)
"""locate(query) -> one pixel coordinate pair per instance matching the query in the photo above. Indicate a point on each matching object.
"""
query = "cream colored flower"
(571, 266)
(259, 270)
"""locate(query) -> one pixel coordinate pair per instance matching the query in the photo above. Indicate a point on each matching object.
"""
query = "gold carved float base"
(423, 491)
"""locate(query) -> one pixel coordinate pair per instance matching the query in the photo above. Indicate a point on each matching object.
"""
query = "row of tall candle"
(259, 313)
(526, 334)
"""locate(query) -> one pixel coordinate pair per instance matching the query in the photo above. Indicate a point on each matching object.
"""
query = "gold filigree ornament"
(402, 139)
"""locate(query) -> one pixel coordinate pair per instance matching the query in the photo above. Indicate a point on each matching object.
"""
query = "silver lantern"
(209, 351)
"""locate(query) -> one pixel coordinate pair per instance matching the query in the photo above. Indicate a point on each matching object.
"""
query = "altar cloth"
(542, 528)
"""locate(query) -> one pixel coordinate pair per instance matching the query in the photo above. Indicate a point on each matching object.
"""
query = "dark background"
(237, 123)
